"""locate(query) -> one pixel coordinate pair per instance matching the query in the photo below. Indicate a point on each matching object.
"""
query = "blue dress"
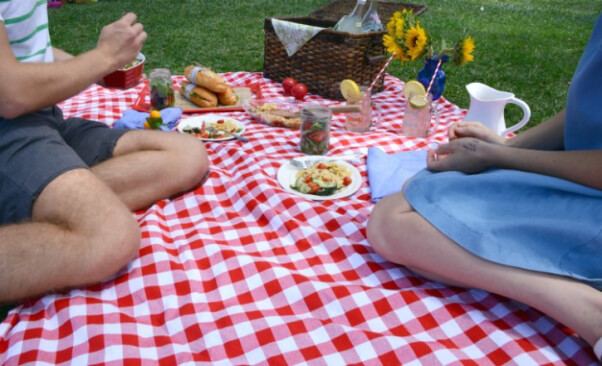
(523, 219)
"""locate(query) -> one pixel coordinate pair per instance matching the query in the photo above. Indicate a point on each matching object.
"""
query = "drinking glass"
(361, 121)
(417, 121)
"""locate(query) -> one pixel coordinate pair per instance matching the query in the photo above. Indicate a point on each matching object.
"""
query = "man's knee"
(103, 234)
(194, 162)
(114, 245)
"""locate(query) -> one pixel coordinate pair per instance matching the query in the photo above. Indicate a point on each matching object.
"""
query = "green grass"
(530, 48)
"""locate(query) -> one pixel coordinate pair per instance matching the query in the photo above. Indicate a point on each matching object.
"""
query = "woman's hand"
(466, 154)
(476, 130)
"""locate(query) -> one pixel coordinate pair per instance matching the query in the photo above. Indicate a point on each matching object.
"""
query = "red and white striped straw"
(380, 73)
(433, 77)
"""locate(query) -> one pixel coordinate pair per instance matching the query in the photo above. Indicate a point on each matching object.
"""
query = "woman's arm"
(548, 135)
(471, 155)
(580, 166)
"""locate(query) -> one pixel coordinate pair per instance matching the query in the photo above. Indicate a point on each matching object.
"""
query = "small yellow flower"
(416, 41)
(392, 47)
(391, 26)
(399, 27)
(464, 51)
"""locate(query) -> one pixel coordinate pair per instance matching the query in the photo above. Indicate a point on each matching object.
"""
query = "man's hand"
(122, 40)
(466, 154)
(476, 130)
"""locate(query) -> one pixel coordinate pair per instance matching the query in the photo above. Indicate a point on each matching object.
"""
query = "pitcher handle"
(526, 116)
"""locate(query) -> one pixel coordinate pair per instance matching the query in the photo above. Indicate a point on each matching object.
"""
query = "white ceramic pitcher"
(487, 106)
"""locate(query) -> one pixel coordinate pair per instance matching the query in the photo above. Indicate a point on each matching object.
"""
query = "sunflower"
(391, 26)
(416, 41)
(408, 40)
(399, 27)
(393, 47)
(463, 52)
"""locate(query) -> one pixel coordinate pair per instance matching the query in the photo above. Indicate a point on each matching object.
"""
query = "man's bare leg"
(82, 230)
(402, 236)
(150, 165)
(80, 233)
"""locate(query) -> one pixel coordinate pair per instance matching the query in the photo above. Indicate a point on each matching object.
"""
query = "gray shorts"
(38, 147)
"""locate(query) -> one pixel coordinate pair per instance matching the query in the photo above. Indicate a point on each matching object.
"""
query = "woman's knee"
(387, 226)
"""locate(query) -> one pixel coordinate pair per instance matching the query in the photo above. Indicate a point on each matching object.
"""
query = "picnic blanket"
(240, 271)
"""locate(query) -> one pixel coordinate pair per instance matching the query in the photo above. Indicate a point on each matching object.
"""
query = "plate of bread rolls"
(205, 90)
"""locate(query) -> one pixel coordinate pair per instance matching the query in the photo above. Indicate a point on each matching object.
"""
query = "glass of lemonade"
(360, 121)
(417, 117)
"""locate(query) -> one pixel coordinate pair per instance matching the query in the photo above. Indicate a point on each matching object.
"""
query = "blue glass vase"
(426, 73)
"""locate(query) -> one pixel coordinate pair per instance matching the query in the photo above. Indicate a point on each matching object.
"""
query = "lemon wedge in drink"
(413, 87)
(350, 91)
(418, 101)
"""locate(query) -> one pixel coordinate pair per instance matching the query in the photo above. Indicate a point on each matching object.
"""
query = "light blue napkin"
(388, 172)
(133, 119)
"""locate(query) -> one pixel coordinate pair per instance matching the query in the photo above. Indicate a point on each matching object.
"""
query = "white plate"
(287, 174)
(209, 118)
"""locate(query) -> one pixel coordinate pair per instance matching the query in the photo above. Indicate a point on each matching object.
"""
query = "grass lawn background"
(528, 47)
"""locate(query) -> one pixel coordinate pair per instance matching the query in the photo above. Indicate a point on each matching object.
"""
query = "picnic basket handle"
(376, 59)
(375, 44)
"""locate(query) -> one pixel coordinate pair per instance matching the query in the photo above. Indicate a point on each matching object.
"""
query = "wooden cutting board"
(243, 94)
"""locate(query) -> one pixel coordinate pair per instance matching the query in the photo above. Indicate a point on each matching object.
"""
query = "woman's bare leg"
(402, 236)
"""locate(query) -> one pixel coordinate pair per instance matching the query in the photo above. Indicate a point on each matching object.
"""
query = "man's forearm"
(60, 55)
(51, 83)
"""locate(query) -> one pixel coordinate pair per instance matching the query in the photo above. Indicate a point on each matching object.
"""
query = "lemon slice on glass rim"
(350, 91)
(413, 87)
(418, 101)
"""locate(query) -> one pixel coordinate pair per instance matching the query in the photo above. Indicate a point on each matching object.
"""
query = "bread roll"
(198, 95)
(228, 97)
(204, 77)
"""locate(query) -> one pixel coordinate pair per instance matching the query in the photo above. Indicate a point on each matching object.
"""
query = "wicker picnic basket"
(331, 56)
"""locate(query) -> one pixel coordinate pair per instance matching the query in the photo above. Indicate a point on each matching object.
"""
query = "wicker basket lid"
(334, 10)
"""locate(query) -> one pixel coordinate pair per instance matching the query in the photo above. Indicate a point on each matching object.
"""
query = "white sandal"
(598, 349)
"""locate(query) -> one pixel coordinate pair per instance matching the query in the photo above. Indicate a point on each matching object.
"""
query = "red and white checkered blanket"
(239, 271)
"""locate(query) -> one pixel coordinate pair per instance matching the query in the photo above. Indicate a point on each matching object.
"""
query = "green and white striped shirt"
(26, 23)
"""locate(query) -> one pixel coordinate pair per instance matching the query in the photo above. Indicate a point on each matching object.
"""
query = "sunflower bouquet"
(407, 40)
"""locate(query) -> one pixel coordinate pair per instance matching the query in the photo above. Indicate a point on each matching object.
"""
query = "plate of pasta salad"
(211, 127)
(326, 179)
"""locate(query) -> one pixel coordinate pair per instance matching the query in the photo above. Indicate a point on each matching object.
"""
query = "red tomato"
(313, 187)
(307, 178)
(321, 166)
(299, 91)
(318, 136)
(288, 84)
(346, 181)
